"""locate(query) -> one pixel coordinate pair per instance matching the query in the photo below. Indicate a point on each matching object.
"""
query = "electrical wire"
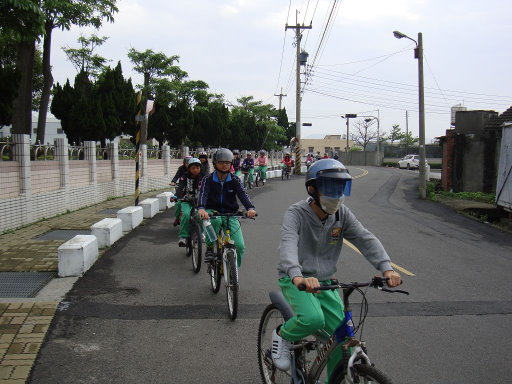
(411, 90)
(284, 43)
(327, 71)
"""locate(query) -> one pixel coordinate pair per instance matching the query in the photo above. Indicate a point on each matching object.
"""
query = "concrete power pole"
(280, 97)
(298, 36)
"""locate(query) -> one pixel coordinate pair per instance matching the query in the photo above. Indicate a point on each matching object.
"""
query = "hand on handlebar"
(203, 214)
(394, 278)
(308, 284)
(251, 213)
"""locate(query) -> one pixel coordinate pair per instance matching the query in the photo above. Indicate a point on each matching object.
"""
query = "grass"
(434, 191)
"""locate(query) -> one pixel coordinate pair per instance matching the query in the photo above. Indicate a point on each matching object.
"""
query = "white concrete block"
(149, 207)
(77, 255)
(164, 200)
(303, 168)
(279, 172)
(107, 231)
(131, 217)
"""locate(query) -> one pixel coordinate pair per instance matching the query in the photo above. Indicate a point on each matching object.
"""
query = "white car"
(410, 162)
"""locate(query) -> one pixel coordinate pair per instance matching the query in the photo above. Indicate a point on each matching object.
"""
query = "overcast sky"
(240, 48)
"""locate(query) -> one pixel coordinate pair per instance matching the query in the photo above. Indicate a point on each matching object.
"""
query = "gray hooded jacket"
(311, 248)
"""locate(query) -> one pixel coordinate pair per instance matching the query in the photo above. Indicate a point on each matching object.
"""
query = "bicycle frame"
(344, 335)
(325, 344)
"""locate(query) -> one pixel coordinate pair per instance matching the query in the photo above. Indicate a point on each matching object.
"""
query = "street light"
(348, 116)
(418, 54)
(378, 135)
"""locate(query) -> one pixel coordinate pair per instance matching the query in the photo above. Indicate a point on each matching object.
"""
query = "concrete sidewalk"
(25, 321)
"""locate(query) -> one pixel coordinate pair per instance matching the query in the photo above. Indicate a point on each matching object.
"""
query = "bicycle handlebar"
(239, 214)
(377, 282)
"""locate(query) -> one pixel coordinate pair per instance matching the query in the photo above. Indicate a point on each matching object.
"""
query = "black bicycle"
(285, 173)
(309, 356)
(246, 175)
(194, 246)
(225, 262)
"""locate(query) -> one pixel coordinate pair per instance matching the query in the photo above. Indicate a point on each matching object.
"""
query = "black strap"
(337, 215)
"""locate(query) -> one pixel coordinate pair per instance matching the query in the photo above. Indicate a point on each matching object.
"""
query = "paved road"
(141, 314)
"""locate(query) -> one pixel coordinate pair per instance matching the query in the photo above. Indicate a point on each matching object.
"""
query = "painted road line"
(395, 266)
(364, 172)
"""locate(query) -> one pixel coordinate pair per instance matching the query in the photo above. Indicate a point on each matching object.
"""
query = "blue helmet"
(330, 177)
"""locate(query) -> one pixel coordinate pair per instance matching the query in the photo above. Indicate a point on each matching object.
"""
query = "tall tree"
(23, 20)
(364, 133)
(63, 14)
(154, 66)
(84, 59)
(395, 134)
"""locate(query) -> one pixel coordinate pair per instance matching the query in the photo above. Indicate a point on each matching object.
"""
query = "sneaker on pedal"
(280, 352)
(182, 242)
(208, 256)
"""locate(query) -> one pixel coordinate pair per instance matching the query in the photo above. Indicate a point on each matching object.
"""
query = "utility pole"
(418, 54)
(407, 130)
(422, 171)
(298, 37)
(280, 97)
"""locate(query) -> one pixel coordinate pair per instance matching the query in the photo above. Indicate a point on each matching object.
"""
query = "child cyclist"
(261, 164)
(312, 236)
(247, 168)
(237, 162)
(288, 161)
(188, 188)
(218, 192)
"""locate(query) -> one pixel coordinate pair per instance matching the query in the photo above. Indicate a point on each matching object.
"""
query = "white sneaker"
(182, 242)
(280, 352)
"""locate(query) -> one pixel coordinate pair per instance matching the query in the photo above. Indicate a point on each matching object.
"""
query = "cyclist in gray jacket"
(312, 237)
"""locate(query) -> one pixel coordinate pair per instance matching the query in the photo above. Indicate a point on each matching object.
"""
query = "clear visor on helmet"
(333, 187)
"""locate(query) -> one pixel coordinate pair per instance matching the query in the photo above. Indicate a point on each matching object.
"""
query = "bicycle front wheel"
(362, 373)
(270, 320)
(215, 270)
(231, 276)
(196, 245)
(257, 179)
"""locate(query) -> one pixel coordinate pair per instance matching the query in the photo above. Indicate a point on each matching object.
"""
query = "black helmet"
(222, 154)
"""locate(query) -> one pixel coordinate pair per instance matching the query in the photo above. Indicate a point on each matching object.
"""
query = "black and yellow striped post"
(295, 145)
(139, 120)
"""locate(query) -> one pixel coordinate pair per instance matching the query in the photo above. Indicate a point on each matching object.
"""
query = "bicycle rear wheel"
(231, 276)
(196, 245)
(270, 320)
(362, 373)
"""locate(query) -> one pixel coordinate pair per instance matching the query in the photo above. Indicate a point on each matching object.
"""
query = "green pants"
(236, 234)
(263, 171)
(177, 209)
(250, 175)
(185, 209)
(322, 310)
(238, 173)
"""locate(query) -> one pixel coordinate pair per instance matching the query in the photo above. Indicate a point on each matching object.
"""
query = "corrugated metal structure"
(504, 184)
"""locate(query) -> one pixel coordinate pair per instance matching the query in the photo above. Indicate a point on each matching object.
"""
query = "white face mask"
(331, 204)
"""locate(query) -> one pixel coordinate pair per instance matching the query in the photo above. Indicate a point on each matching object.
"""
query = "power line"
(371, 103)
(284, 43)
(409, 85)
(405, 89)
